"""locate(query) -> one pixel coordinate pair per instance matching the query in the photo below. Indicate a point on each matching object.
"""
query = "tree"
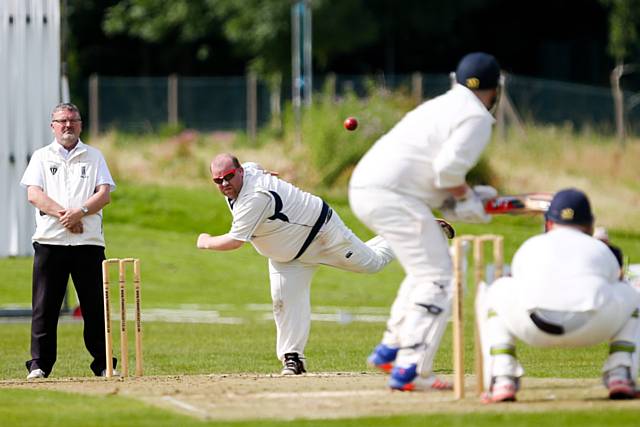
(257, 29)
(624, 23)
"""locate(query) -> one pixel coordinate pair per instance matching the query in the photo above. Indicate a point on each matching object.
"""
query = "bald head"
(227, 174)
(224, 161)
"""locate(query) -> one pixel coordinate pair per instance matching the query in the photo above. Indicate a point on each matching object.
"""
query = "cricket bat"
(519, 204)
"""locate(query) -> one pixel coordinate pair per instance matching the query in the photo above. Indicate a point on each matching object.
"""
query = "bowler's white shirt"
(563, 270)
(277, 239)
(431, 148)
(69, 178)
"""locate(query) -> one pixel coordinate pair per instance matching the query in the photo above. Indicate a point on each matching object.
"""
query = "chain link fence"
(146, 104)
(559, 103)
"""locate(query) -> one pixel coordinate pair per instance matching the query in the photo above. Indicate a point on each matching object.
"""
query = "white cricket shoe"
(35, 374)
(114, 374)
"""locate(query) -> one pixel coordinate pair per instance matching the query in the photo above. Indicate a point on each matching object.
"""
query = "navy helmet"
(478, 70)
(570, 206)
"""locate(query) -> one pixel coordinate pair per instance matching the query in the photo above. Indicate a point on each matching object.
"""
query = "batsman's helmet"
(570, 206)
(478, 70)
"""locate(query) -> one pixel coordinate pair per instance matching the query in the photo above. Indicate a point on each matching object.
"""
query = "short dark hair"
(66, 106)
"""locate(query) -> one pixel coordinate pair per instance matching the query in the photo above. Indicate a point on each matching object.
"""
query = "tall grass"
(547, 158)
(551, 158)
(334, 151)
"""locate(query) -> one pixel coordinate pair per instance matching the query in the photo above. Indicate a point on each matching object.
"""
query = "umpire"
(68, 183)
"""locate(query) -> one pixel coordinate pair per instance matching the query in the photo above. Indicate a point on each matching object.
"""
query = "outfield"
(160, 225)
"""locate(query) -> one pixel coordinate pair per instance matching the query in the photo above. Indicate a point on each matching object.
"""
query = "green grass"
(114, 411)
(160, 226)
(181, 348)
(26, 408)
(172, 349)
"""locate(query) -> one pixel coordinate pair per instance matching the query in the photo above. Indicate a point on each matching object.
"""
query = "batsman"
(414, 168)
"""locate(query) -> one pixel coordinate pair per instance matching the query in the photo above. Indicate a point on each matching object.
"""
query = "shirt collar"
(469, 93)
(58, 148)
(247, 181)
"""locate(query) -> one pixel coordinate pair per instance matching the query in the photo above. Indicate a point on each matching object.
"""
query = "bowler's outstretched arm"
(218, 243)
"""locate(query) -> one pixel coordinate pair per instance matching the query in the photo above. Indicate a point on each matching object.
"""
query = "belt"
(543, 325)
(325, 216)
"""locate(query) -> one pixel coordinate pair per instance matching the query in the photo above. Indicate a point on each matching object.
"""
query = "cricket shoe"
(293, 364)
(114, 373)
(503, 389)
(430, 383)
(382, 358)
(407, 379)
(35, 374)
(620, 384)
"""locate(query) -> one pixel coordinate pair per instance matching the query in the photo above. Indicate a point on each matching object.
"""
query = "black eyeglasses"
(63, 121)
(225, 176)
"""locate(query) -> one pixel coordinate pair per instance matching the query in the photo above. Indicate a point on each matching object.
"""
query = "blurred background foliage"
(542, 158)
(553, 39)
(577, 41)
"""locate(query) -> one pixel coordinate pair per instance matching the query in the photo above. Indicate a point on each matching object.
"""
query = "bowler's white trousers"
(420, 311)
(336, 246)
(504, 317)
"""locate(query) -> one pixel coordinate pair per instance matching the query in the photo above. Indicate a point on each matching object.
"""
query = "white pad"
(424, 324)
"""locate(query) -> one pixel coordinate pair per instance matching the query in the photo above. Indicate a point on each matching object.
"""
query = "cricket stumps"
(479, 266)
(124, 344)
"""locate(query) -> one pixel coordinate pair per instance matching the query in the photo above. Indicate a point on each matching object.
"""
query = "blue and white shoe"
(382, 358)
(401, 378)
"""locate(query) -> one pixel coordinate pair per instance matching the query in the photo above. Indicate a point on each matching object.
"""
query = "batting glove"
(485, 192)
(470, 207)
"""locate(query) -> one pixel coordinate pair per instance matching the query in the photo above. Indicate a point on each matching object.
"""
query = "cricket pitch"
(322, 395)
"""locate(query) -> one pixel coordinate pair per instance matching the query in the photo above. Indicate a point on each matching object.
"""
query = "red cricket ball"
(351, 123)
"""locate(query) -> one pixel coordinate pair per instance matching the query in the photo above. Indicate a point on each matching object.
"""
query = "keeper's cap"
(570, 206)
(478, 70)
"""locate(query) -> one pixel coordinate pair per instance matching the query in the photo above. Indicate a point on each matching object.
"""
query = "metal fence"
(142, 104)
(553, 102)
(145, 104)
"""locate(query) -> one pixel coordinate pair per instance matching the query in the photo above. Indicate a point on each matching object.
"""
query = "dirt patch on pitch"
(330, 395)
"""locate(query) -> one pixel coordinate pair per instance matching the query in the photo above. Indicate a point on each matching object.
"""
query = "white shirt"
(563, 270)
(262, 196)
(69, 178)
(431, 148)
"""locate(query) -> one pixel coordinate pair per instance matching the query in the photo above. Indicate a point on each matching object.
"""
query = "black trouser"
(52, 265)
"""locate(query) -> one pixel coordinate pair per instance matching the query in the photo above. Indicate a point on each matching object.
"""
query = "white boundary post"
(30, 87)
